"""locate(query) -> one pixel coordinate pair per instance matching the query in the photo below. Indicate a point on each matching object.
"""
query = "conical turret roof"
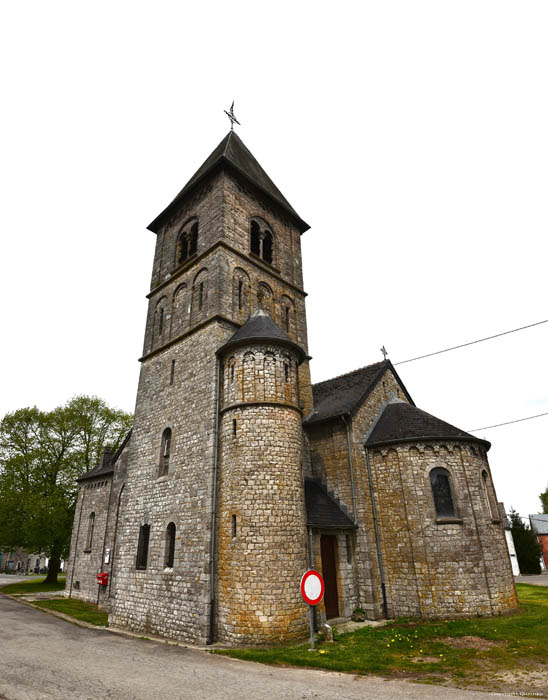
(233, 153)
(259, 327)
(402, 422)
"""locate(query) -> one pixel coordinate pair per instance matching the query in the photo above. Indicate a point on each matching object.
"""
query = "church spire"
(232, 153)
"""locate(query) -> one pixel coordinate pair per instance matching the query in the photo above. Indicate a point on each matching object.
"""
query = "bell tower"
(228, 244)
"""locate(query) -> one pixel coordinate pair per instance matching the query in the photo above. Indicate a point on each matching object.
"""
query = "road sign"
(312, 587)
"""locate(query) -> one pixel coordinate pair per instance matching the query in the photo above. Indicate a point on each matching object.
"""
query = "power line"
(473, 342)
(519, 420)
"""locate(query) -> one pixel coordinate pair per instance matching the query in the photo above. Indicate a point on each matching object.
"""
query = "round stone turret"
(261, 514)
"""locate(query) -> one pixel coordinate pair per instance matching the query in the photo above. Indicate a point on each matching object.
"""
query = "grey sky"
(411, 136)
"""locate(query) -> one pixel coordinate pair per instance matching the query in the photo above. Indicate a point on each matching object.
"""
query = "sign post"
(312, 590)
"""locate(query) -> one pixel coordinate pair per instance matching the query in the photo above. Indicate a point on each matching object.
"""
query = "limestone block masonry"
(236, 464)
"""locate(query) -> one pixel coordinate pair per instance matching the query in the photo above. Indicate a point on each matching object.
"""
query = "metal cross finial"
(384, 352)
(231, 116)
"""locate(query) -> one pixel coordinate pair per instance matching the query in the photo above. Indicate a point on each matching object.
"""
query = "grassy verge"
(33, 585)
(464, 652)
(77, 609)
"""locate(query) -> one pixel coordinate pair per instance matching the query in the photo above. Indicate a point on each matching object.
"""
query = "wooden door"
(329, 572)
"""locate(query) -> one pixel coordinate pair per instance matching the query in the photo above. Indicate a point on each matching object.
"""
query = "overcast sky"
(411, 136)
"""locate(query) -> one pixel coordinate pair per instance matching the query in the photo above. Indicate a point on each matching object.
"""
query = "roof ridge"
(354, 371)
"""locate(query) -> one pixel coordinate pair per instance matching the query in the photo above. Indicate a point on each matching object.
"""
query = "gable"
(344, 395)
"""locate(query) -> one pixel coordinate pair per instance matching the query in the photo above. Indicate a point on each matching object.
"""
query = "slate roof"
(539, 524)
(321, 510)
(234, 153)
(260, 327)
(341, 395)
(402, 422)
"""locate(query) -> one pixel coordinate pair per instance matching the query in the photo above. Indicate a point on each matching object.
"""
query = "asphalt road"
(43, 657)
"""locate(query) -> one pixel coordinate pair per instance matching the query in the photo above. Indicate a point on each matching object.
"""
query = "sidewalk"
(538, 580)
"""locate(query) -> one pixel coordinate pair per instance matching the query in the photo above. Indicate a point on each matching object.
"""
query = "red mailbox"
(102, 579)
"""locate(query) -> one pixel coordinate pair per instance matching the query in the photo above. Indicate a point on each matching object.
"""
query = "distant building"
(239, 474)
(507, 525)
(539, 525)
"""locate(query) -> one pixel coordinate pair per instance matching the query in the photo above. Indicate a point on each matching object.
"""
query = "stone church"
(240, 474)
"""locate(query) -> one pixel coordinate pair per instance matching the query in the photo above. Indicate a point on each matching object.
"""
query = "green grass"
(88, 612)
(33, 585)
(520, 638)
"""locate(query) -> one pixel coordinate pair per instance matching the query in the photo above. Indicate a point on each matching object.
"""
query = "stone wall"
(171, 602)
(85, 561)
(433, 566)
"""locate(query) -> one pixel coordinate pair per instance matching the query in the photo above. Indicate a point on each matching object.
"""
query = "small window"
(232, 373)
(261, 242)
(348, 549)
(170, 546)
(440, 480)
(172, 373)
(165, 452)
(142, 547)
(286, 372)
(234, 427)
(240, 293)
(287, 319)
(91, 528)
(234, 527)
(201, 296)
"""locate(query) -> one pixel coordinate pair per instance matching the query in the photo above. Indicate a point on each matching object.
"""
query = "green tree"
(526, 543)
(41, 456)
(544, 500)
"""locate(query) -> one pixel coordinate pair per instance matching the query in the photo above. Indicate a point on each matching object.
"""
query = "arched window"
(440, 480)
(164, 452)
(142, 547)
(255, 244)
(261, 241)
(267, 247)
(265, 298)
(288, 316)
(91, 528)
(187, 242)
(170, 546)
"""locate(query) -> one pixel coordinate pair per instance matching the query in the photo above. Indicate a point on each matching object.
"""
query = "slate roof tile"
(401, 422)
(321, 510)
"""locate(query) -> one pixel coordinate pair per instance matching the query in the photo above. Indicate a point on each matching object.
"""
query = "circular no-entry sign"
(312, 587)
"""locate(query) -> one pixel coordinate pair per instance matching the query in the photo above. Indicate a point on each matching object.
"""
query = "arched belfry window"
(165, 452)
(261, 241)
(170, 546)
(187, 242)
(440, 480)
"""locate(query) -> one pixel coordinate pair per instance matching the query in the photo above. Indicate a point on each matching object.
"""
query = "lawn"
(33, 585)
(88, 612)
(465, 652)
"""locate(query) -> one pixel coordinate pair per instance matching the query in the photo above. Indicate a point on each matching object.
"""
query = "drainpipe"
(214, 503)
(112, 553)
(76, 543)
(350, 466)
(377, 534)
